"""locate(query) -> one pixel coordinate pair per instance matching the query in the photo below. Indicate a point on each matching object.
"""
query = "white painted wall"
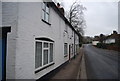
(95, 42)
(0, 14)
(26, 23)
(119, 17)
(0, 41)
(108, 41)
(9, 18)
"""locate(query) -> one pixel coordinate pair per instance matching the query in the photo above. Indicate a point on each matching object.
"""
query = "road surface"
(100, 63)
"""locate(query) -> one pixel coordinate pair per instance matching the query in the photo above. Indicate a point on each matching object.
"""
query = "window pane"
(38, 55)
(47, 9)
(51, 53)
(43, 6)
(45, 12)
(72, 49)
(43, 15)
(46, 17)
(45, 57)
(65, 48)
(45, 45)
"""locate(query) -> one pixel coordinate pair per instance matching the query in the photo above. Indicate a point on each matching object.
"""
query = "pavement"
(101, 63)
(83, 73)
(73, 69)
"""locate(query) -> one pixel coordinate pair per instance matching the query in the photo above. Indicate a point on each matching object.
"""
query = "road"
(100, 63)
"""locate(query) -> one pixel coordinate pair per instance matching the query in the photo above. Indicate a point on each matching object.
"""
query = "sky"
(101, 16)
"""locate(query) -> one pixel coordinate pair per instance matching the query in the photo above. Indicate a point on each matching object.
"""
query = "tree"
(102, 38)
(76, 17)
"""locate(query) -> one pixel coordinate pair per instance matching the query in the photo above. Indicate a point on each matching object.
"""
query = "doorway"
(69, 52)
(3, 48)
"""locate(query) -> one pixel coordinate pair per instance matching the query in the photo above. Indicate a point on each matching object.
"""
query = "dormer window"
(45, 12)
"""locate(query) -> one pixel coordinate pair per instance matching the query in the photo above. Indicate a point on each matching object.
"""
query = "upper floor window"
(66, 29)
(72, 33)
(45, 11)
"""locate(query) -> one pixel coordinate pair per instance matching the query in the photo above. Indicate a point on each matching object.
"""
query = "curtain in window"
(38, 55)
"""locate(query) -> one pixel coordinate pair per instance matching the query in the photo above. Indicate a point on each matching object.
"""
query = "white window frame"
(49, 63)
(65, 54)
(66, 28)
(44, 11)
(71, 49)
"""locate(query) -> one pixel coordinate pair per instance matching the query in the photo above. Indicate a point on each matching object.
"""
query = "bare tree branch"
(76, 17)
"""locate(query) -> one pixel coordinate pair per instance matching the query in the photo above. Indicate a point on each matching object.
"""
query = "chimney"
(60, 8)
(114, 32)
(58, 5)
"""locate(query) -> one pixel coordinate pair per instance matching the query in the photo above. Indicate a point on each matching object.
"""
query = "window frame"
(49, 63)
(65, 54)
(72, 49)
(45, 12)
(66, 28)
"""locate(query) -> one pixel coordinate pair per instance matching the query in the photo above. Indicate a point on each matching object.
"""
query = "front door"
(3, 58)
(69, 52)
(3, 44)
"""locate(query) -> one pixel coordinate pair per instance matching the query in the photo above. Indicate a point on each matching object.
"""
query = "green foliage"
(101, 45)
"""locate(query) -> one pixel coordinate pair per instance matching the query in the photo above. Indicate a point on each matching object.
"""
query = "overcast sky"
(101, 16)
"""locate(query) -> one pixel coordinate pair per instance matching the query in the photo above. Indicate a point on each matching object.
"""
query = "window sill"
(65, 55)
(65, 31)
(44, 67)
(46, 22)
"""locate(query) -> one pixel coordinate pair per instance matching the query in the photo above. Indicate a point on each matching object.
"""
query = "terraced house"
(40, 41)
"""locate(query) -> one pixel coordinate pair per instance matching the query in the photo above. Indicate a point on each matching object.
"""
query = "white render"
(0, 14)
(95, 42)
(108, 41)
(119, 17)
(26, 25)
